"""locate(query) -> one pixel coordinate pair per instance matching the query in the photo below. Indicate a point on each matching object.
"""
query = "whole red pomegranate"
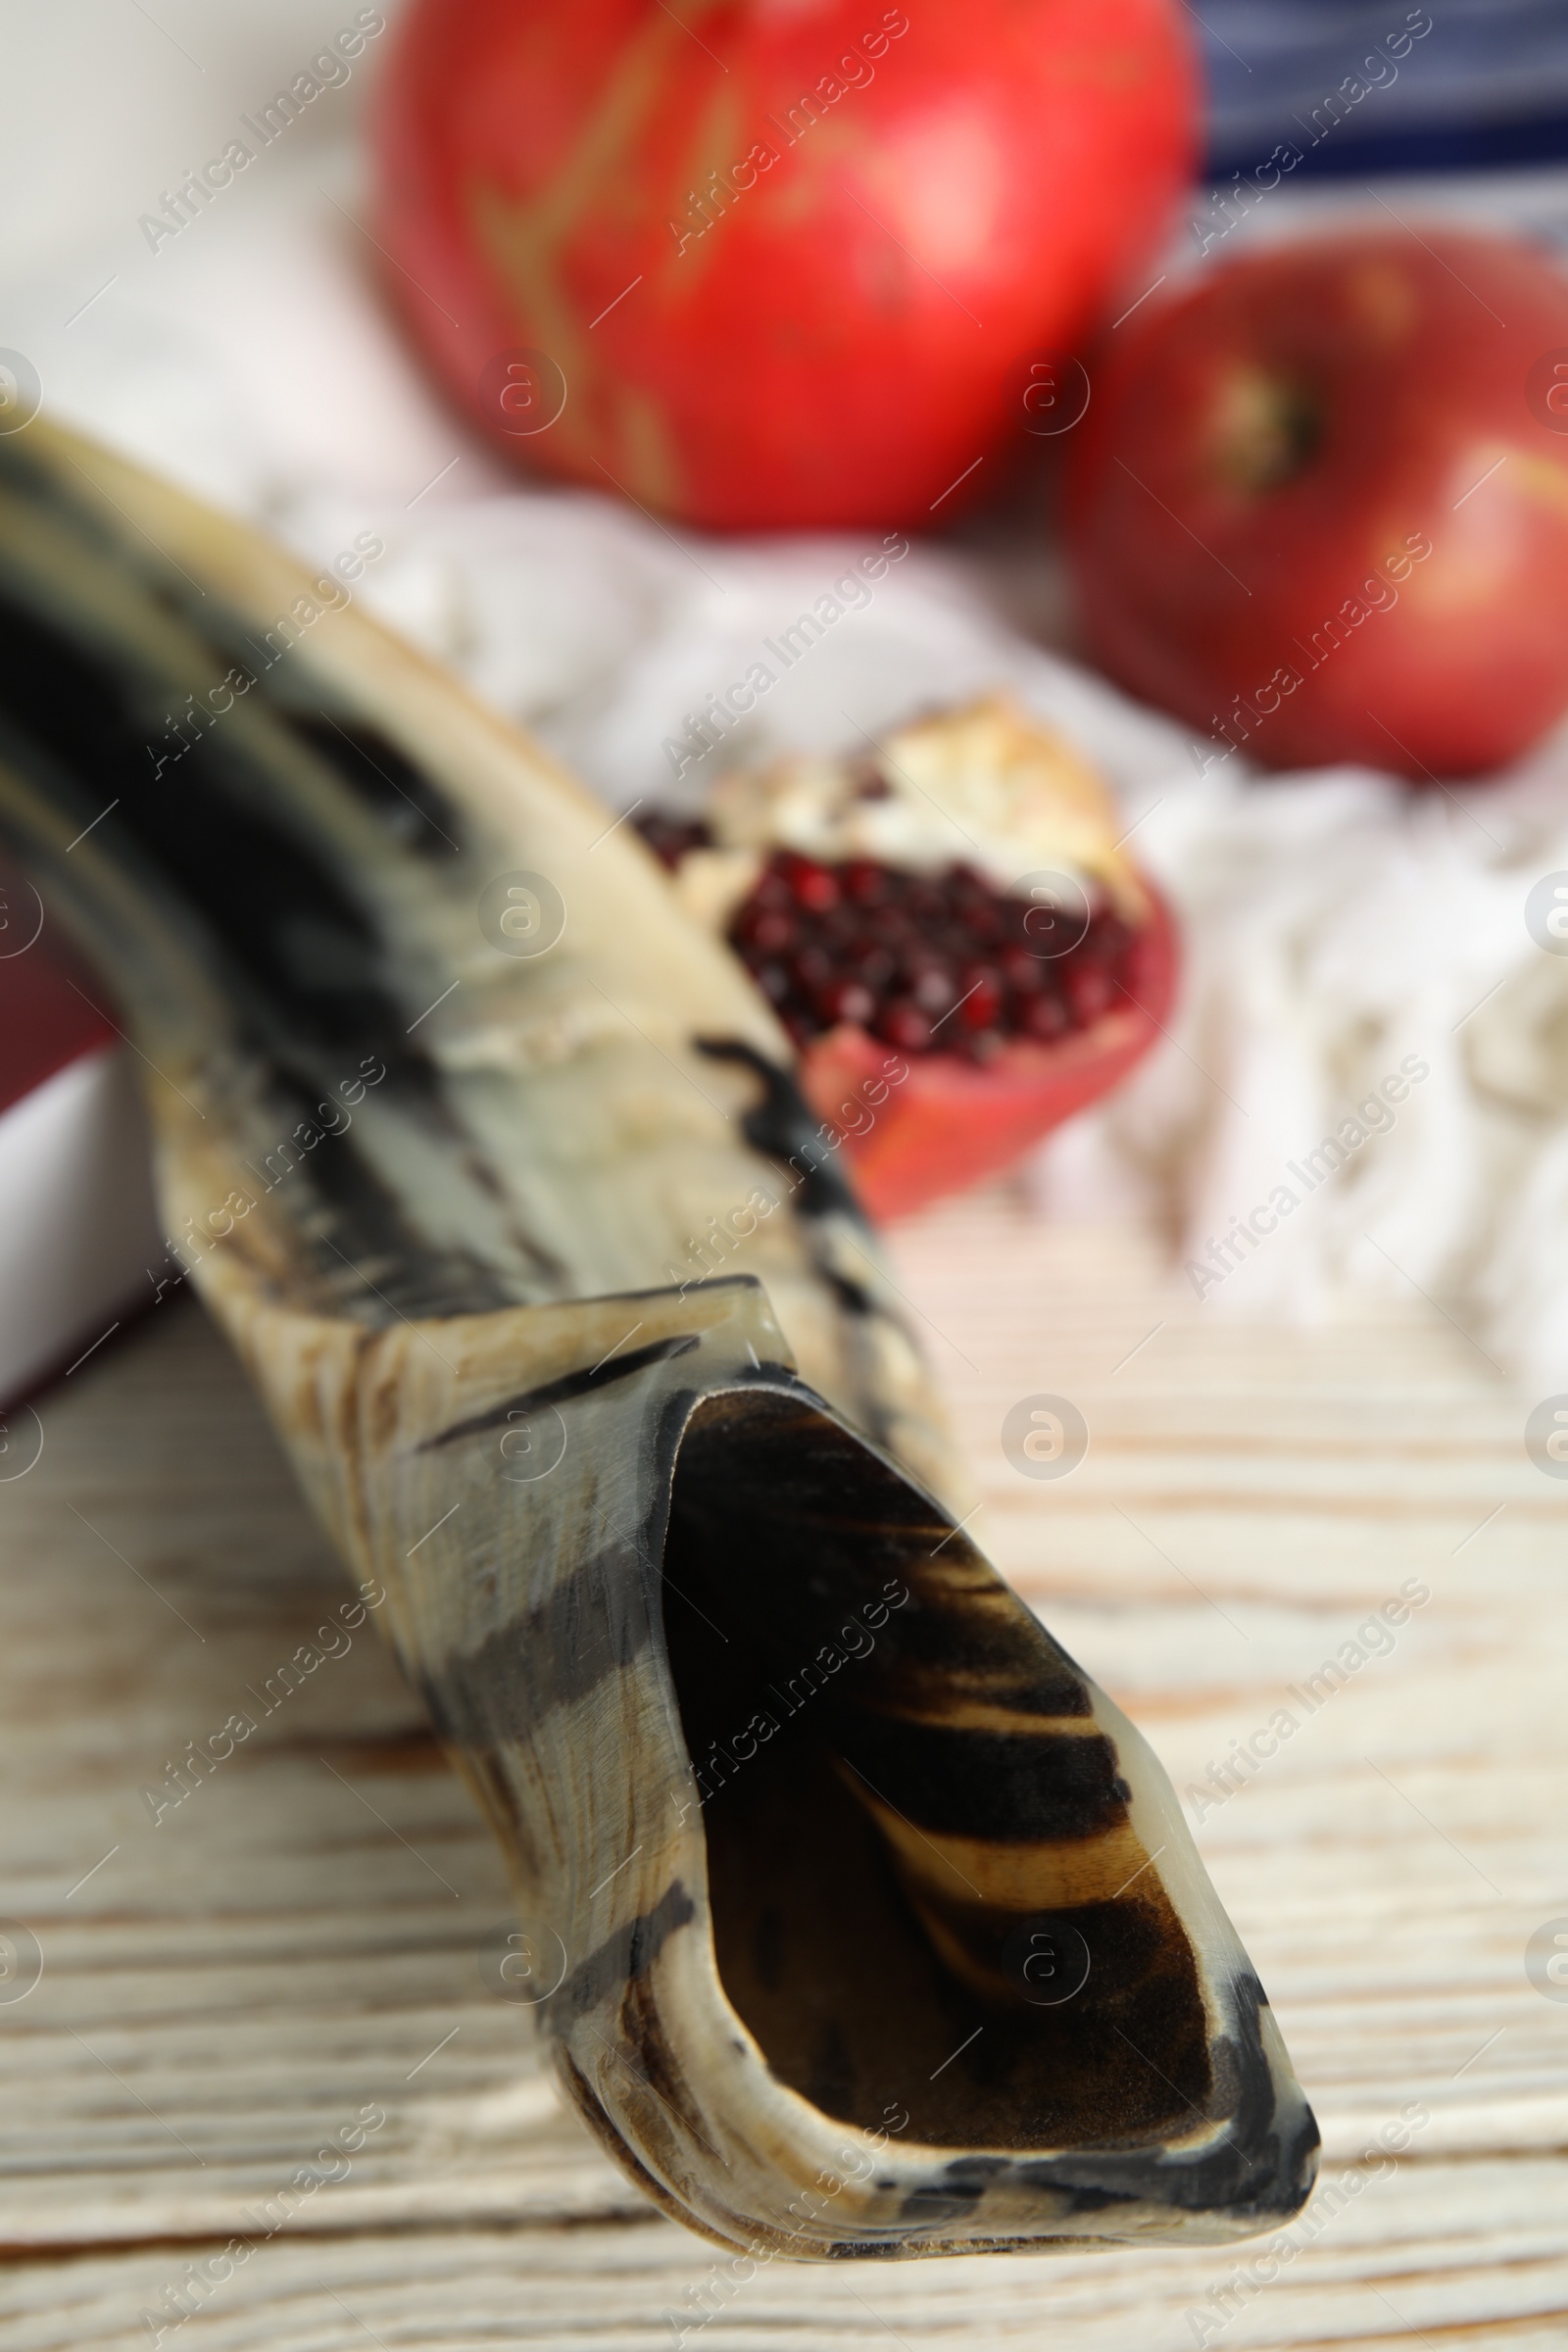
(1319, 504)
(772, 263)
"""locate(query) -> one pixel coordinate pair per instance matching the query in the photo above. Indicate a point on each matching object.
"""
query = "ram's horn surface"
(787, 1777)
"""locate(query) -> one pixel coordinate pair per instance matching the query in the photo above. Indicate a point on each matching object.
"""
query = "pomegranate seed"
(933, 990)
(981, 998)
(767, 929)
(1046, 931)
(845, 1001)
(904, 1024)
(773, 981)
(875, 966)
(1021, 971)
(811, 968)
(842, 933)
(866, 882)
(810, 885)
(1044, 1019)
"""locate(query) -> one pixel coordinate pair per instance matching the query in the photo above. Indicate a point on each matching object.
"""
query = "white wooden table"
(230, 1988)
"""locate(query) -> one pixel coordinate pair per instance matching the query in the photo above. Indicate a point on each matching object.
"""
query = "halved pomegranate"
(958, 897)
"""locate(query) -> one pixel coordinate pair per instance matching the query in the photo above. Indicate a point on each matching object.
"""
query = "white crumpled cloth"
(1337, 925)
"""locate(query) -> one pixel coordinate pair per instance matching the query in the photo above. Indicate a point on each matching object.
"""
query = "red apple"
(772, 263)
(1319, 504)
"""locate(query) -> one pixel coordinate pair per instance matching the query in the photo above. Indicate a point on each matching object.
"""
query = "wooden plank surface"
(297, 1948)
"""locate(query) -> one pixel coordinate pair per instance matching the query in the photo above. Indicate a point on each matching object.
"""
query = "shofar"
(811, 1823)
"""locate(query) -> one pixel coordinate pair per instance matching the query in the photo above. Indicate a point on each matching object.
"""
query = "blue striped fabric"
(1380, 85)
